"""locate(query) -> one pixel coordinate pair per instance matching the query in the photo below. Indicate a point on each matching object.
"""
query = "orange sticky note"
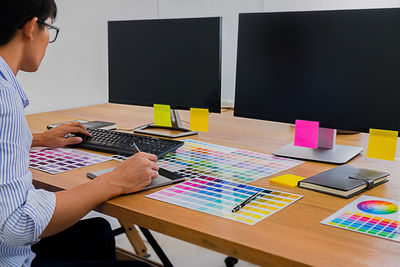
(287, 180)
(199, 119)
(382, 144)
(162, 115)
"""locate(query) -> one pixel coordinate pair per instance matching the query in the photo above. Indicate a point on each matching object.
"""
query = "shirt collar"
(9, 76)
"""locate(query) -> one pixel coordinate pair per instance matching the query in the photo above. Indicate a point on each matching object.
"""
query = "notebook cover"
(338, 178)
(346, 196)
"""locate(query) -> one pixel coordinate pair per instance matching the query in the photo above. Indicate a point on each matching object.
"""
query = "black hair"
(15, 13)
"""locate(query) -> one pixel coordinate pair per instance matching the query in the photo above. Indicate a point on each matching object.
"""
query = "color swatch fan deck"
(195, 159)
(59, 160)
(219, 197)
(369, 215)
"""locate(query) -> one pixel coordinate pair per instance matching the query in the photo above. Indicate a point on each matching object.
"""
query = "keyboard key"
(120, 143)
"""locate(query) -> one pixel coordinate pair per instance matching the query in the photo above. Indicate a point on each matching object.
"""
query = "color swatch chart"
(369, 215)
(219, 197)
(59, 160)
(195, 159)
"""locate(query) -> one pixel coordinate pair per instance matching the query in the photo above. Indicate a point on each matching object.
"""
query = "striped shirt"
(24, 211)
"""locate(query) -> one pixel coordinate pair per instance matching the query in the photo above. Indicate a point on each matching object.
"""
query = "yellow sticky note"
(162, 115)
(382, 144)
(199, 119)
(287, 180)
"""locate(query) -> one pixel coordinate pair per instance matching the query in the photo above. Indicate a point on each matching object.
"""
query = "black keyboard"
(121, 143)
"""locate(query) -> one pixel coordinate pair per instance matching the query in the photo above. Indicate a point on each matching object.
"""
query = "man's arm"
(130, 176)
(55, 137)
(71, 205)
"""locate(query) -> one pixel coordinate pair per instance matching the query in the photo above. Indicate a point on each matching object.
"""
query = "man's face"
(36, 48)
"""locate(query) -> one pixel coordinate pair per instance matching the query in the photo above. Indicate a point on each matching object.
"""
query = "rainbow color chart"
(369, 215)
(195, 159)
(60, 160)
(219, 197)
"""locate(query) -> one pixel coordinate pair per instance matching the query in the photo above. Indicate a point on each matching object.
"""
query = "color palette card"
(369, 215)
(218, 197)
(60, 160)
(195, 159)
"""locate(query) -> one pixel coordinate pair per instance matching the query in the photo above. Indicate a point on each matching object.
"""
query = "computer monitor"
(340, 68)
(176, 62)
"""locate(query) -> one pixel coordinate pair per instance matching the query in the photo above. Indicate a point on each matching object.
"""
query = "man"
(26, 214)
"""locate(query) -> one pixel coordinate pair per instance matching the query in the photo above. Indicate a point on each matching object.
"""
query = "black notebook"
(344, 181)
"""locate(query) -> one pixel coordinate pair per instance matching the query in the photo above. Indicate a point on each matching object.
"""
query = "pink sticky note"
(306, 134)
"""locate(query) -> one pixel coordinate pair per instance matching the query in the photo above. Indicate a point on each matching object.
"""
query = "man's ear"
(29, 28)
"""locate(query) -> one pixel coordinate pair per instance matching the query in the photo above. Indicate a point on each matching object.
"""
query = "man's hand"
(133, 174)
(55, 137)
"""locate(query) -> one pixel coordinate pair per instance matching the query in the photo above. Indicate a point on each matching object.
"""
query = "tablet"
(165, 177)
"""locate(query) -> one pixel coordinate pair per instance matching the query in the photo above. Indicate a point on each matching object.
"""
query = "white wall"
(74, 71)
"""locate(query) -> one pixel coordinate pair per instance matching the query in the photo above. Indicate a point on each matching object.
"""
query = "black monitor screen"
(341, 68)
(167, 61)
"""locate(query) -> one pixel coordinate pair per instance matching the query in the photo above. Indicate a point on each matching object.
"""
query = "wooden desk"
(293, 236)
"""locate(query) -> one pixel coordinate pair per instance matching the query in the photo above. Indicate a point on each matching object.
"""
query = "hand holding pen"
(135, 147)
(134, 173)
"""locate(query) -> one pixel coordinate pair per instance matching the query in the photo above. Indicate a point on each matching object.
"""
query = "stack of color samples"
(218, 197)
(60, 160)
(195, 159)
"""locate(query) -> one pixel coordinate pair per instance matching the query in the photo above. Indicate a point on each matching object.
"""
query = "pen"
(245, 202)
(135, 147)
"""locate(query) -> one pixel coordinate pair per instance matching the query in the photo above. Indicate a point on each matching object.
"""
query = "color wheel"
(378, 207)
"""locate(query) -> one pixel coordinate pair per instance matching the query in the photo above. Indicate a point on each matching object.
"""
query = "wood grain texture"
(290, 237)
(134, 238)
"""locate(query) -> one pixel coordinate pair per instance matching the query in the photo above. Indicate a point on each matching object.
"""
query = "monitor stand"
(176, 126)
(328, 150)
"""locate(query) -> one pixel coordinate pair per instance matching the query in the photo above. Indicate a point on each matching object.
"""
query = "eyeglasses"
(53, 31)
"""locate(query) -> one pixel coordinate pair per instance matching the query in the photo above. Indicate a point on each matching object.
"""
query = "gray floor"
(179, 252)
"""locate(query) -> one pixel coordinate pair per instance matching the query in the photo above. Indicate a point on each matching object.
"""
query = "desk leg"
(134, 238)
(157, 249)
